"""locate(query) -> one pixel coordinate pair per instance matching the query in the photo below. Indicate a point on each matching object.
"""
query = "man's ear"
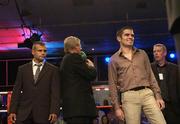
(32, 52)
(118, 38)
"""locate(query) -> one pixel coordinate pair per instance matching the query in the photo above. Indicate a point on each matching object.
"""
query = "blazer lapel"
(30, 72)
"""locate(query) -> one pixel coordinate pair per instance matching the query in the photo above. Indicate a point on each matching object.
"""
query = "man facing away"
(166, 74)
(35, 97)
(77, 72)
(130, 73)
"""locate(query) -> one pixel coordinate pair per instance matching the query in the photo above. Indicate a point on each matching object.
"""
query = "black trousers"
(29, 120)
(79, 120)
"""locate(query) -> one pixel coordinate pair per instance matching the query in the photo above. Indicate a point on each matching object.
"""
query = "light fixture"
(28, 42)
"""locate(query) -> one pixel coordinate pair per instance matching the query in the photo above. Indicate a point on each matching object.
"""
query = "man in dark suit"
(166, 74)
(76, 73)
(35, 98)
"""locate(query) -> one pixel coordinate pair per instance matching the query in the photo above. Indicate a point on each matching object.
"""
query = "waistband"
(138, 88)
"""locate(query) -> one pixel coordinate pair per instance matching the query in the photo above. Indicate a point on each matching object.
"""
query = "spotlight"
(107, 59)
(172, 55)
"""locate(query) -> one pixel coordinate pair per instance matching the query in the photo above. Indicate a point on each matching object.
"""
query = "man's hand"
(120, 114)
(12, 117)
(160, 103)
(52, 118)
(89, 63)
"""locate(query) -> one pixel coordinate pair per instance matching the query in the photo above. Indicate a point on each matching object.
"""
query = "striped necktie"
(37, 72)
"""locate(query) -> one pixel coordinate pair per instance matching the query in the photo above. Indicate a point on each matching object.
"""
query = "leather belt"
(138, 88)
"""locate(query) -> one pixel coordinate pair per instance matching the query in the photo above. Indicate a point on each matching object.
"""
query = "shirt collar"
(166, 63)
(120, 52)
(34, 63)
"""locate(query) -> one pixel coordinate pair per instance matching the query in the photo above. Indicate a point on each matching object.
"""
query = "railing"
(8, 95)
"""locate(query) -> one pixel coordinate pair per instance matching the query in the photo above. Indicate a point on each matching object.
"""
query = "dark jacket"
(76, 89)
(173, 83)
(41, 98)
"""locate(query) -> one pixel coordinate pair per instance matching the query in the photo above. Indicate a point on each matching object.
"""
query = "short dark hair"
(120, 31)
(37, 43)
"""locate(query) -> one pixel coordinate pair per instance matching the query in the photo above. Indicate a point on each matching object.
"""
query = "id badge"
(161, 77)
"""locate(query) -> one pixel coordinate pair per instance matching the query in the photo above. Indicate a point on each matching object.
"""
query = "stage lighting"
(107, 59)
(28, 42)
(172, 55)
(35, 37)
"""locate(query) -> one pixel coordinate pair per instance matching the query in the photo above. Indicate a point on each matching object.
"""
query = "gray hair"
(162, 46)
(70, 43)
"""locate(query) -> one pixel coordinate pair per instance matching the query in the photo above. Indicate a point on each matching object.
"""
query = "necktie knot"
(38, 65)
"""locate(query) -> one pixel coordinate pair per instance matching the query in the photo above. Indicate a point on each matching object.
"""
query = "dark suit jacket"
(41, 98)
(77, 96)
(173, 83)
